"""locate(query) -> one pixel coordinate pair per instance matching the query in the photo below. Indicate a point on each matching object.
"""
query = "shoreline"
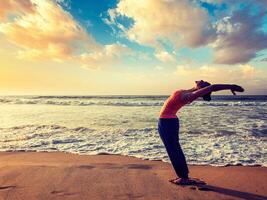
(144, 159)
(58, 175)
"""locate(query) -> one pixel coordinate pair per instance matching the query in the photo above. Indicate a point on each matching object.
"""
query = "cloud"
(213, 1)
(109, 55)
(179, 22)
(11, 7)
(204, 72)
(253, 79)
(240, 35)
(248, 72)
(42, 29)
(65, 3)
(235, 33)
(45, 31)
(164, 56)
(226, 74)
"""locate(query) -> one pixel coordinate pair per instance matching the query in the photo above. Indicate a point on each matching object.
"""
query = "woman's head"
(201, 84)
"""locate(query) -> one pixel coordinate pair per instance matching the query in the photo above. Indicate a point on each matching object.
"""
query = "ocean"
(229, 130)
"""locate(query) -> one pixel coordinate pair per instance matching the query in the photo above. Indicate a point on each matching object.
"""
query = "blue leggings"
(169, 130)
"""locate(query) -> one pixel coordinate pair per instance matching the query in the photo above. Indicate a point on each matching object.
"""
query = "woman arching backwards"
(168, 125)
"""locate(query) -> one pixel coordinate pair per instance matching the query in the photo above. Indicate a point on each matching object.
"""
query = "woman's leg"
(168, 129)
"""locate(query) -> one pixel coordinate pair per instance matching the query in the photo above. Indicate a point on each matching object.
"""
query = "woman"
(168, 125)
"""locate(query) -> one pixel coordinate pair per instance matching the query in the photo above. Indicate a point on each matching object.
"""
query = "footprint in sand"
(111, 166)
(86, 167)
(138, 166)
(7, 187)
(61, 193)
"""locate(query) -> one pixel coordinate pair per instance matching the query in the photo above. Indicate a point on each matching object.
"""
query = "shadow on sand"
(229, 192)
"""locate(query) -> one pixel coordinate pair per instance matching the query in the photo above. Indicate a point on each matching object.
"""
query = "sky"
(131, 47)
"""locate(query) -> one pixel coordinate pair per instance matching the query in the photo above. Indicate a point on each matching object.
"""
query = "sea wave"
(119, 101)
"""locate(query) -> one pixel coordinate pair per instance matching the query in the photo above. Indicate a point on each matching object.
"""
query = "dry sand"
(29, 175)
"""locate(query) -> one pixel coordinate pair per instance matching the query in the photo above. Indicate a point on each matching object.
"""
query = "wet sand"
(31, 175)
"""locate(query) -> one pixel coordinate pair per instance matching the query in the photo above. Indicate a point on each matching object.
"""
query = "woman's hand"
(236, 88)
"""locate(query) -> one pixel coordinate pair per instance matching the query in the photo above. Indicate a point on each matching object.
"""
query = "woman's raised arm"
(214, 88)
(234, 88)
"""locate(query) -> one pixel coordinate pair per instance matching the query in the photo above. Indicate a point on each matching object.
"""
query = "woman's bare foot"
(174, 179)
(188, 181)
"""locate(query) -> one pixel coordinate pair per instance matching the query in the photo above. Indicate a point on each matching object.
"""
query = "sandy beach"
(31, 175)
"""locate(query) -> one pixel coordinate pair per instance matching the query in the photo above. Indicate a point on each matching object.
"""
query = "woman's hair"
(202, 84)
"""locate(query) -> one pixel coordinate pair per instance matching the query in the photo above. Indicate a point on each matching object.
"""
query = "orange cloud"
(239, 73)
(109, 55)
(164, 56)
(13, 6)
(44, 30)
